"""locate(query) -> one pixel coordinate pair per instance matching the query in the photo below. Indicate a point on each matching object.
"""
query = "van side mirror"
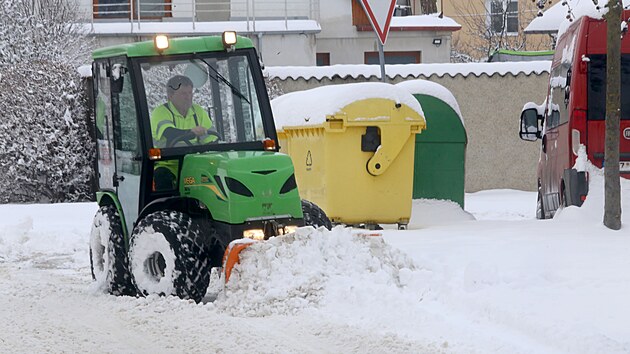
(530, 125)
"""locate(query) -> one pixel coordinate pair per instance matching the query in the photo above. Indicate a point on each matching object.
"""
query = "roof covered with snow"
(556, 16)
(409, 70)
(432, 21)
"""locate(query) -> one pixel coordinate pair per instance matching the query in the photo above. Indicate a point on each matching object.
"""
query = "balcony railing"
(138, 11)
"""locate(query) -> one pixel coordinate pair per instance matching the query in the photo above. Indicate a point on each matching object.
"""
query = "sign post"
(380, 14)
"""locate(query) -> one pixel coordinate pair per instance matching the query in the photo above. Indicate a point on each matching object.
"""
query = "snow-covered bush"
(45, 149)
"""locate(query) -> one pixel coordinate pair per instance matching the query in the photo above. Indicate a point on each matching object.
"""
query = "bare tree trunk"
(612, 189)
(428, 6)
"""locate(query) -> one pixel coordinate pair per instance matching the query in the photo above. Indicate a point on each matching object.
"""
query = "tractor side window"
(127, 145)
(104, 129)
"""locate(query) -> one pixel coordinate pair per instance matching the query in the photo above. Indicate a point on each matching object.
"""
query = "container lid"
(311, 107)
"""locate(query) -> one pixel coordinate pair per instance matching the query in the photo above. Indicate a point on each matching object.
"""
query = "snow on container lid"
(429, 88)
(310, 107)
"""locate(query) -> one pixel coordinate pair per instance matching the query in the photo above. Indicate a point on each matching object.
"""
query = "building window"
(504, 16)
(403, 8)
(411, 57)
(322, 59)
(121, 9)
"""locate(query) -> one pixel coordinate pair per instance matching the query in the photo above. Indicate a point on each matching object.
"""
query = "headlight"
(161, 42)
(254, 234)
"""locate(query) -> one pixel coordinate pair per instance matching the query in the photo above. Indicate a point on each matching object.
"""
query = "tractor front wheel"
(108, 255)
(168, 257)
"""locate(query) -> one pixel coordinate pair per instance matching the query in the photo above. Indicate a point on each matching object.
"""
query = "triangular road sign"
(380, 14)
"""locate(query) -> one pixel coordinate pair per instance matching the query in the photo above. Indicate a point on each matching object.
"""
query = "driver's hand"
(199, 131)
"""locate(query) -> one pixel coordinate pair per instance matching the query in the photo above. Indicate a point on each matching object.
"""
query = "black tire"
(108, 254)
(167, 256)
(314, 215)
(540, 208)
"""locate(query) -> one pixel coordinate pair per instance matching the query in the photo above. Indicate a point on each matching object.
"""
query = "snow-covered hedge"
(45, 149)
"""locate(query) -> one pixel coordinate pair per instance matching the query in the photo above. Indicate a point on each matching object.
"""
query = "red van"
(573, 114)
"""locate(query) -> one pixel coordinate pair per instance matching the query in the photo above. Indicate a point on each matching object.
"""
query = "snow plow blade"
(232, 255)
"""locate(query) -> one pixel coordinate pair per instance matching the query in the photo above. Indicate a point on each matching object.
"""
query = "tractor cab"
(228, 99)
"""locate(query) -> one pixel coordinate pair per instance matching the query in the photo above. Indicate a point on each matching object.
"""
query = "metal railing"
(195, 11)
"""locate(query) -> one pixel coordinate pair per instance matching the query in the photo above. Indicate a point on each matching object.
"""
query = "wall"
(496, 157)
(291, 49)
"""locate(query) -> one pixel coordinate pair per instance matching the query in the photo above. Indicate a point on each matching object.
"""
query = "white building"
(296, 32)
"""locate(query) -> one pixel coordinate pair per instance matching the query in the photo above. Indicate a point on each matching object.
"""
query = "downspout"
(259, 46)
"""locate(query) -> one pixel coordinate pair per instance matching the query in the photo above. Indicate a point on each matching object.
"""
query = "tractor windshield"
(202, 100)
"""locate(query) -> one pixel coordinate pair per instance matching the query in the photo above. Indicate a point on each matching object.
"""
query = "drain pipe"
(259, 45)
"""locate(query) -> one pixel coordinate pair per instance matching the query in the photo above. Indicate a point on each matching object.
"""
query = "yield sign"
(380, 13)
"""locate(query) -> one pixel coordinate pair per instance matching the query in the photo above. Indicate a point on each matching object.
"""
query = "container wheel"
(168, 256)
(108, 255)
(314, 215)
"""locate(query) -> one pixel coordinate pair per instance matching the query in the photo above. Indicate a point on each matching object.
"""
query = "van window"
(597, 87)
(557, 113)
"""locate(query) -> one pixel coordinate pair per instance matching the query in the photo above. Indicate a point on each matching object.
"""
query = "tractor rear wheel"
(108, 255)
(314, 215)
(167, 256)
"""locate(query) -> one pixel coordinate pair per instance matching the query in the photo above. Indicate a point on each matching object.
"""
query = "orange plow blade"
(232, 255)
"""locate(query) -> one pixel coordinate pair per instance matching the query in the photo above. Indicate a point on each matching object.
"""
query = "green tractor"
(173, 197)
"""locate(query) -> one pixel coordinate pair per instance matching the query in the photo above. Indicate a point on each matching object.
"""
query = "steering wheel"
(186, 138)
(214, 132)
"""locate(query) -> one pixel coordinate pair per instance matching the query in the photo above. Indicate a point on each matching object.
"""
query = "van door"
(555, 139)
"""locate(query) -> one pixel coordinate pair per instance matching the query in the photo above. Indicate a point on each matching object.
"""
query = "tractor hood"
(241, 186)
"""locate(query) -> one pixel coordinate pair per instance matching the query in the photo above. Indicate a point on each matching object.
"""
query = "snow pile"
(45, 233)
(309, 268)
(310, 107)
(423, 213)
(593, 208)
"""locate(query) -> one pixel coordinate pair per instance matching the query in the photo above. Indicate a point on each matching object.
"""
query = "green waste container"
(440, 155)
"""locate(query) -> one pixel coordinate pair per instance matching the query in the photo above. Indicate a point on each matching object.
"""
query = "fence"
(138, 11)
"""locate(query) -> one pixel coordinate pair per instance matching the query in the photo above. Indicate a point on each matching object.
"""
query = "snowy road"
(503, 283)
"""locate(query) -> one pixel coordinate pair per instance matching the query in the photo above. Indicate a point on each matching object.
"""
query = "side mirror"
(530, 127)
(118, 76)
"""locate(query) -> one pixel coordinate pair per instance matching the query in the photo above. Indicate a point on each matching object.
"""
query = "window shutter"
(359, 17)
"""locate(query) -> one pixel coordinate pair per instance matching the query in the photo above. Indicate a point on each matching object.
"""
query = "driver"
(177, 120)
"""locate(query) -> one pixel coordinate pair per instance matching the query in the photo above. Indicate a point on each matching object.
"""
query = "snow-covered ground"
(490, 279)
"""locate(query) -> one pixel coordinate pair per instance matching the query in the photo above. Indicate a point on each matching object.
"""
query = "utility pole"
(612, 188)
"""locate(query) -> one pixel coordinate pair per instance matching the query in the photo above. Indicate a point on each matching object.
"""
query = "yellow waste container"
(353, 149)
